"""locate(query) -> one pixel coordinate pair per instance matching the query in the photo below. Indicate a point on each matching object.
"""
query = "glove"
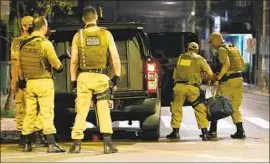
(59, 70)
(73, 85)
(22, 84)
(115, 80)
(62, 57)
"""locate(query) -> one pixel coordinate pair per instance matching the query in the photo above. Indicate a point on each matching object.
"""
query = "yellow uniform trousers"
(39, 96)
(87, 85)
(233, 89)
(191, 93)
(20, 106)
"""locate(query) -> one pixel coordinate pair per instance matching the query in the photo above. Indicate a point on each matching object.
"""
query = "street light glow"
(169, 3)
(192, 13)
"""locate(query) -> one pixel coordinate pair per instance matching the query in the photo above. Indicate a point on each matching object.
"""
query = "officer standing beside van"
(90, 48)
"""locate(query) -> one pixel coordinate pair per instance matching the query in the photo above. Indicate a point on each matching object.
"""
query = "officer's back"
(187, 77)
(89, 54)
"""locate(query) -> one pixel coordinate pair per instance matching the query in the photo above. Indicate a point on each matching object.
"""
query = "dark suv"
(137, 97)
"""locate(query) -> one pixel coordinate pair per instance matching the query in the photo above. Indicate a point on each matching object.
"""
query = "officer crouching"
(90, 47)
(187, 78)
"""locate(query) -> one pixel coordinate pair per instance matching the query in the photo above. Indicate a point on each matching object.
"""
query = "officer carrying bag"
(218, 107)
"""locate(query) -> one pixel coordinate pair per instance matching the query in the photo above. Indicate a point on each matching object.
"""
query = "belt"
(39, 78)
(182, 82)
(98, 70)
(234, 75)
(230, 76)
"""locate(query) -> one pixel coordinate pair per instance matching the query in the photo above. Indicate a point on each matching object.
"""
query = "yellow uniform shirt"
(48, 50)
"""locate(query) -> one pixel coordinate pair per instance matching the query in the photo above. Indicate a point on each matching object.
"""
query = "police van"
(137, 97)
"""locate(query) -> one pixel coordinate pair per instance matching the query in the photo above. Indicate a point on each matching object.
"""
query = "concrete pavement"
(225, 150)
(255, 148)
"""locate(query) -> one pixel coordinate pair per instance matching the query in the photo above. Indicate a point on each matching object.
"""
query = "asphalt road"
(255, 148)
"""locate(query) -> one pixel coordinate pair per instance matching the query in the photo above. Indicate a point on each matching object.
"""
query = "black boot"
(21, 141)
(108, 146)
(213, 130)
(40, 139)
(27, 143)
(174, 134)
(76, 147)
(240, 133)
(205, 135)
(52, 146)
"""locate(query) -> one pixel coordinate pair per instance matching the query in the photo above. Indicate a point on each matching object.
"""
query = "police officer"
(37, 56)
(187, 78)
(26, 26)
(228, 80)
(89, 54)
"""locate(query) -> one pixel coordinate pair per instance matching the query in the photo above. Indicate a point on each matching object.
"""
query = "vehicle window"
(123, 35)
(142, 39)
(126, 35)
(170, 45)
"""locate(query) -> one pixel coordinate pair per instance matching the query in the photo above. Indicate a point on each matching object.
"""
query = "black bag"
(219, 107)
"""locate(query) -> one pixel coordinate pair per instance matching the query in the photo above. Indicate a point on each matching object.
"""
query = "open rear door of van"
(166, 48)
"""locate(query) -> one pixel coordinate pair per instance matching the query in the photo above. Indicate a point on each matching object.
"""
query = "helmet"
(27, 20)
(193, 46)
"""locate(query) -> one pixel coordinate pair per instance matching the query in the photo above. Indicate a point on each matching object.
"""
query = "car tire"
(63, 122)
(151, 125)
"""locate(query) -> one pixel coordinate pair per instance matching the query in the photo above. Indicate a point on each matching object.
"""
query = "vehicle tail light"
(151, 77)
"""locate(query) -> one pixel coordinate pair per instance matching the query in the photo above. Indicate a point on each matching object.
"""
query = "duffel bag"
(218, 107)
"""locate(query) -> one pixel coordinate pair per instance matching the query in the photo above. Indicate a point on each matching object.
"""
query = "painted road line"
(90, 125)
(166, 108)
(119, 124)
(258, 121)
(124, 124)
(166, 121)
(222, 124)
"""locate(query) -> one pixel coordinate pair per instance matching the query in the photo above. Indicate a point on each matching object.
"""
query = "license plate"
(110, 105)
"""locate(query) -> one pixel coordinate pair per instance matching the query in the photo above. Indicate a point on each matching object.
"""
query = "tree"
(21, 8)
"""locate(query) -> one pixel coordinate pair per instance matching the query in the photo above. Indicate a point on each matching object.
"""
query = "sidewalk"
(251, 88)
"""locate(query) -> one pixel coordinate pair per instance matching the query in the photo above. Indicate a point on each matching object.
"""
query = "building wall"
(258, 23)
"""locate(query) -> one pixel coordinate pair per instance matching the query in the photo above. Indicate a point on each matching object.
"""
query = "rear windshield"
(118, 34)
(171, 45)
(123, 35)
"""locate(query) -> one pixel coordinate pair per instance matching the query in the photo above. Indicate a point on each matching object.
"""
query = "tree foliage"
(47, 8)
